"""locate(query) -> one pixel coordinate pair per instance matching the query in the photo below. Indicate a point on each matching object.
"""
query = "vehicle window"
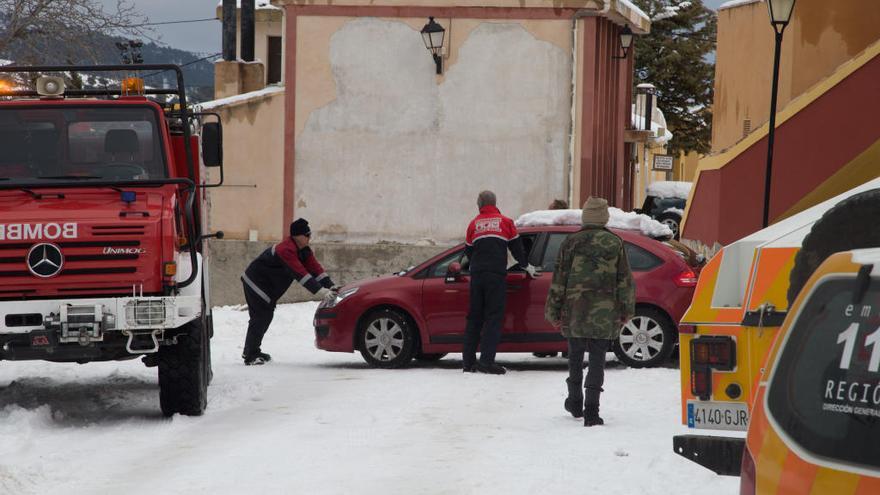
(441, 267)
(825, 390)
(552, 251)
(78, 142)
(640, 260)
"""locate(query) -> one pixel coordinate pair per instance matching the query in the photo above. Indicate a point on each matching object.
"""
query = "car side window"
(640, 260)
(554, 242)
(442, 266)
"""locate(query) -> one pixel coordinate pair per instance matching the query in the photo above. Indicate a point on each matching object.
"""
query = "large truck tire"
(850, 224)
(183, 372)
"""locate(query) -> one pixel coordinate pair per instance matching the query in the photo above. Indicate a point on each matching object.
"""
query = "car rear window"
(640, 260)
(825, 390)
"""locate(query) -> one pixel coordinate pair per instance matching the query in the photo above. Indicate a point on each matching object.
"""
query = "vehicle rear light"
(747, 473)
(686, 278)
(718, 352)
(701, 382)
(169, 269)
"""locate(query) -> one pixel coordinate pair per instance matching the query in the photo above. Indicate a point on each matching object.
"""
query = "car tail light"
(747, 473)
(701, 382)
(686, 278)
(718, 352)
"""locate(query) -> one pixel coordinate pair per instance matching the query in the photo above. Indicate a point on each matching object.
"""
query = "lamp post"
(780, 16)
(626, 39)
(432, 35)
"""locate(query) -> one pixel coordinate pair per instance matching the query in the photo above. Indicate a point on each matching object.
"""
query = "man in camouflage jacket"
(591, 296)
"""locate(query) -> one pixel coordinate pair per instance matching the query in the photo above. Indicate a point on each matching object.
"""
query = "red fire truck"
(102, 223)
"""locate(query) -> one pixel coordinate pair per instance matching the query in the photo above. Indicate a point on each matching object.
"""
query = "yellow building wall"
(822, 35)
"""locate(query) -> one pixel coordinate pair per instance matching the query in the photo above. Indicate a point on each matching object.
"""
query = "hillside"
(199, 76)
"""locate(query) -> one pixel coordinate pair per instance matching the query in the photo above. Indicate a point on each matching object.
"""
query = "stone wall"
(344, 262)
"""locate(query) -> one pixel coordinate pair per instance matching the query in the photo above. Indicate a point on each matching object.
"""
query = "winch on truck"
(102, 223)
(741, 300)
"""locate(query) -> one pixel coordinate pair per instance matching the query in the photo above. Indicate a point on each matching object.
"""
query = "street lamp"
(432, 35)
(626, 41)
(780, 16)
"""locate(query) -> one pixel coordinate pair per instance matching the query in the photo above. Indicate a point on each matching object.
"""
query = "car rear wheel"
(646, 340)
(387, 339)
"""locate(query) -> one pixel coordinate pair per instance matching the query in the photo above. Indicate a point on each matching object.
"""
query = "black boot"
(256, 359)
(591, 415)
(574, 408)
(490, 369)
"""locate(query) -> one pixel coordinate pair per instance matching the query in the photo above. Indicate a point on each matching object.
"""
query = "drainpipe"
(579, 14)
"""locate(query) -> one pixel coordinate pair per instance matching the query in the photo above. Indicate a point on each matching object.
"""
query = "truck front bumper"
(140, 320)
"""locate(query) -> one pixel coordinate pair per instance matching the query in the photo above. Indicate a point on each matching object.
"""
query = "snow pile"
(669, 189)
(677, 211)
(293, 425)
(619, 219)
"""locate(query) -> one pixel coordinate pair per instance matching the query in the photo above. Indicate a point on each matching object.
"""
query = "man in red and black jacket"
(269, 276)
(489, 236)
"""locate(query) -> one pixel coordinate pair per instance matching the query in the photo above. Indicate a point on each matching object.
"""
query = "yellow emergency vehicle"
(741, 299)
(815, 425)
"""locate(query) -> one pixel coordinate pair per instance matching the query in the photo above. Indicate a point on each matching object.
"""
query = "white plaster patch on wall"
(398, 157)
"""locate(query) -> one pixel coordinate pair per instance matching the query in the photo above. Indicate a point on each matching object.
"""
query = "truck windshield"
(80, 143)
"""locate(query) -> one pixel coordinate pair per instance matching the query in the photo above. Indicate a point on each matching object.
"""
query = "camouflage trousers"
(592, 387)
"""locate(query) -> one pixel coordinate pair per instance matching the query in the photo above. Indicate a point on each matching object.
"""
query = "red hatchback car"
(420, 313)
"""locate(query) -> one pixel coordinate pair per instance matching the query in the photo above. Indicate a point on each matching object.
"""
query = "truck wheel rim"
(384, 339)
(641, 338)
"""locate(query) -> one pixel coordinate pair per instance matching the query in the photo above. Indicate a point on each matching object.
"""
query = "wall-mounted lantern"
(626, 41)
(432, 35)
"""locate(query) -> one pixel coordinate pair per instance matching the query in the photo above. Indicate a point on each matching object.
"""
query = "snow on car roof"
(619, 219)
(669, 189)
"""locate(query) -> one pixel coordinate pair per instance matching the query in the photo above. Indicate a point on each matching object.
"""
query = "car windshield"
(825, 391)
(80, 143)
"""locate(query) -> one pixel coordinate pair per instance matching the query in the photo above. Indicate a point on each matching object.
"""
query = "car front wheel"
(646, 340)
(387, 339)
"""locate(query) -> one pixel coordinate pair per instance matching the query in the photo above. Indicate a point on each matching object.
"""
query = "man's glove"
(532, 271)
(326, 294)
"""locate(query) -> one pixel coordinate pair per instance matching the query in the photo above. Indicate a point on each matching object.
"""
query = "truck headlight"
(339, 297)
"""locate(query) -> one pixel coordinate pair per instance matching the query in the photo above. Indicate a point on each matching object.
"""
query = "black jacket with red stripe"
(271, 274)
(489, 236)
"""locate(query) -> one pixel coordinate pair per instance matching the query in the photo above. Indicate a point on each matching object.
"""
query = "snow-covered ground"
(316, 422)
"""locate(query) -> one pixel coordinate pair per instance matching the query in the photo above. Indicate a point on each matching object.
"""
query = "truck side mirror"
(212, 144)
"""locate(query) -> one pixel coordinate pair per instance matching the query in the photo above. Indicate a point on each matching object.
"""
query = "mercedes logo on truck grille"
(45, 260)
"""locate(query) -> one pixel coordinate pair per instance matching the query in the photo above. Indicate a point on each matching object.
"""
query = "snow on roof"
(638, 122)
(669, 189)
(635, 9)
(231, 100)
(3, 61)
(736, 3)
(619, 219)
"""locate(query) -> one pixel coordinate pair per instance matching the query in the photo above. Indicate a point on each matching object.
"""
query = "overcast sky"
(204, 37)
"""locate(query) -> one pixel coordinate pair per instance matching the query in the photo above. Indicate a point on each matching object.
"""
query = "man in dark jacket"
(489, 236)
(269, 276)
(591, 296)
